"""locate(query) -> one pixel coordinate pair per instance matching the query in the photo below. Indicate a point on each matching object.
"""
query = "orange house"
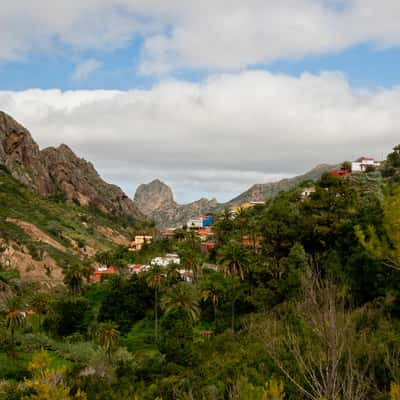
(96, 277)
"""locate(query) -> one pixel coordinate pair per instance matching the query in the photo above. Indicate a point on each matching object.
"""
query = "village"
(202, 227)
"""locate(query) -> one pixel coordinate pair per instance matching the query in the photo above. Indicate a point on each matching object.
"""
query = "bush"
(70, 315)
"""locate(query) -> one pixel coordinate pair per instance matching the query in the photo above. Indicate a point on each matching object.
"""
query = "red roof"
(340, 173)
(98, 274)
(365, 159)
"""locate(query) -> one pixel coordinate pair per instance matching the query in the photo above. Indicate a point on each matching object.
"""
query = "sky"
(210, 97)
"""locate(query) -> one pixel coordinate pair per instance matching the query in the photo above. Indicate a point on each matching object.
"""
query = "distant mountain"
(58, 171)
(262, 191)
(156, 199)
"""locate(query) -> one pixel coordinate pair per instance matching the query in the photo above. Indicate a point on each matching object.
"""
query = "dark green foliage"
(126, 302)
(68, 315)
(177, 337)
(391, 169)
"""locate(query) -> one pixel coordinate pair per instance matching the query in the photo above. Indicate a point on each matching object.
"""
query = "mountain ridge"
(58, 170)
(156, 200)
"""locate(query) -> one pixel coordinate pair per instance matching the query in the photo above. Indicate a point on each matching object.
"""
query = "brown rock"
(156, 200)
(21, 156)
(58, 170)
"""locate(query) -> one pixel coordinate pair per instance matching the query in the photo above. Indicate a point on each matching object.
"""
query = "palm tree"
(183, 297)
(233, 257)
(154, 280)
(8, 283)
(107, 337)
(40, 304)
(172, 274)
(210, 291)
(73, 278)
(15, 319)
(105, 257)
(223, 226)
(190, 253)
(88, 269)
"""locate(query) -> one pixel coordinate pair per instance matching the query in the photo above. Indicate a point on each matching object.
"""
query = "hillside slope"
(260, 192)
(55, 209)
(41, 236)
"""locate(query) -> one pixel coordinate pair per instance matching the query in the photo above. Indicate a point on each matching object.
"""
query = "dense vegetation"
(305, 305)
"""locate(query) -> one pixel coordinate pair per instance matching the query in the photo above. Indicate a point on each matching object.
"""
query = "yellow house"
(139, 241)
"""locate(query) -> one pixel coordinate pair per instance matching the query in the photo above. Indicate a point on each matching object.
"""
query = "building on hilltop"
(307, 192)
(364, 164)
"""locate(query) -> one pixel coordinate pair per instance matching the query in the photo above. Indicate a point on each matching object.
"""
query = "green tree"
(346, 166)
(73, 278)
(223, 227)
(190, 253)
(391, 168)
(234, 259)
(212, 291)
(14, 319)
(154, 279)
(107, 336)
(182, 296)
(40, 303)
(126, 301)
(67, 315)
(384, 245)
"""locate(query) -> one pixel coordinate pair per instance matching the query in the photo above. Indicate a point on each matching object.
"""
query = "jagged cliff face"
(78, 180)
(156, 200)
(154, 196)
(22, 157)
(58, 170)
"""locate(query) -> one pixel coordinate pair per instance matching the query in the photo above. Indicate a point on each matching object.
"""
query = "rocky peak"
(54, 170)
(21, 156)
(156, 200)
(79, 180)
(154, 196)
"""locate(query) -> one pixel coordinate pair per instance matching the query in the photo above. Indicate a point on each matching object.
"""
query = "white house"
(166, 260)
(195, 223)
(363, 163)
(307, 191)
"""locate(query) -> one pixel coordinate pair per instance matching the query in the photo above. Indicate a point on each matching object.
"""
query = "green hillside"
(76, 229)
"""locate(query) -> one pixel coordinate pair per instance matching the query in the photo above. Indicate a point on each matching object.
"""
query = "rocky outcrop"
(58, 170)
(154, 196)
(78, 180)
(22, 157)
(156, 200)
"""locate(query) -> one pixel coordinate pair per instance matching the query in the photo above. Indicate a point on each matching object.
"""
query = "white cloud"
(85, 69)
(218, 35)
(219, 136)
